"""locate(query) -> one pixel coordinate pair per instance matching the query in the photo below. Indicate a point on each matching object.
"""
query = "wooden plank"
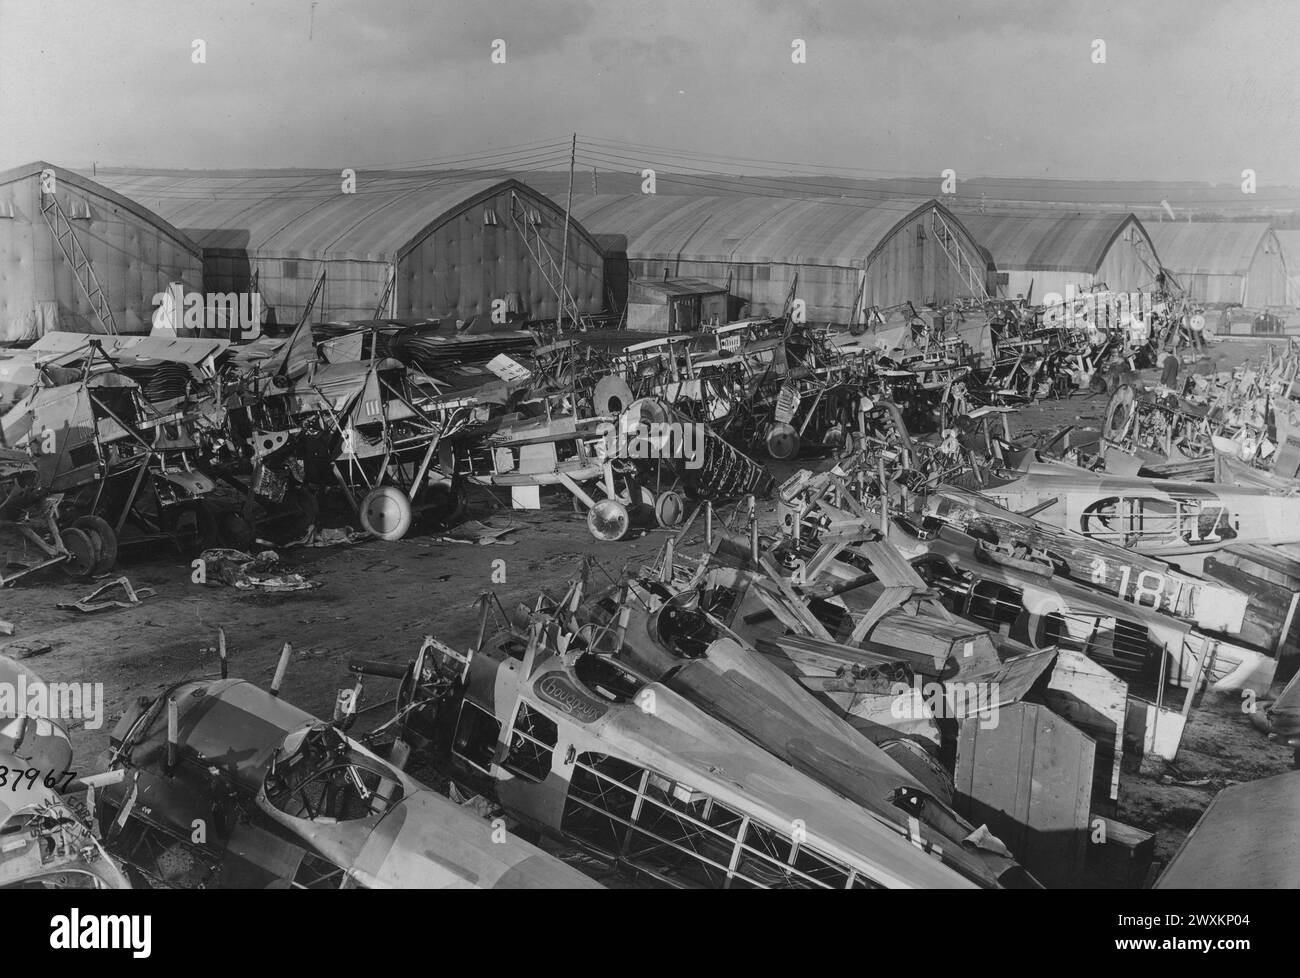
(795, 603)
(1152, 731)
(890, 599)
(1029, 779)
(1096, 701)
(1119, 855)
(1269, 611)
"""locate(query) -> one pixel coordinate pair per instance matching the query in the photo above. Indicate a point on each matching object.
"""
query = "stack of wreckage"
(928, 673)
(119, 440)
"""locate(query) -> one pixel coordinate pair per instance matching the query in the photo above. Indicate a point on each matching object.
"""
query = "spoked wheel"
(103, 537)
(83, 553)
(386, 513)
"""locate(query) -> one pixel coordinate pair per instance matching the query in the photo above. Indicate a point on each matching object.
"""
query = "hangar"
(1224, 262)
(840, 256)
(77, 256)
(1042, 252)
(398, 244)
(1290, 241)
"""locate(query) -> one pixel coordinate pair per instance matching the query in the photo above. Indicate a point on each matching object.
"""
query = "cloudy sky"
(1190, 89)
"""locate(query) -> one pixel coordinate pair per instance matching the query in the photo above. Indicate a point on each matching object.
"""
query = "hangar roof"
(1209, 247)
(89, 185)
(752, 230)
(305, 214)
(1050, 242)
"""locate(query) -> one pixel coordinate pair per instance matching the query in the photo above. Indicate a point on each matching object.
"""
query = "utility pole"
(564, 250)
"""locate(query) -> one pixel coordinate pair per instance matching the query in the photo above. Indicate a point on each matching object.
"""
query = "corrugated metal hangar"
(1038, 252)
(882, 254)
(82, 258)
(450, 245)
(1290, 241)
(1224, 262)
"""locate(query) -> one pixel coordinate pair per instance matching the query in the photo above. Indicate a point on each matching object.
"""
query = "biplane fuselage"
(1151, 516)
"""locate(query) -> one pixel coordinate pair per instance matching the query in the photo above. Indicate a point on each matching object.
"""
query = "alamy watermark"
(1132, 311)
(220, 312)
(43, 702)
(945, 701)
(678, 441)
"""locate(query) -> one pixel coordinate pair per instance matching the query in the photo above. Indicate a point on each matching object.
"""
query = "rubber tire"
(83, 553)
(386, 513)
(1122, 402)
(782, 441)
(102, 533)
(670, 509)
(609, 520)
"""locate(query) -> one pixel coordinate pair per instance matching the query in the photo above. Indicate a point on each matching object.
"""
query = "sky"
(1189, 89)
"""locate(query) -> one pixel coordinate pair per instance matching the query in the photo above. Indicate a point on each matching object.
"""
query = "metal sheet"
(1249, 838)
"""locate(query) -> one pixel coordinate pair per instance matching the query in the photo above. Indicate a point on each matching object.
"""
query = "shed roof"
(305, 214)
(751, 229)
(1049, 242)
(93, 186)
(1208, 247)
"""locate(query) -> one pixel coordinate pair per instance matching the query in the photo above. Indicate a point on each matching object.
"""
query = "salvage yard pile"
(782, 605)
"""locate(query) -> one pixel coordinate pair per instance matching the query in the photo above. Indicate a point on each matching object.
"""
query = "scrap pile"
(1229, 426)
(863, 695)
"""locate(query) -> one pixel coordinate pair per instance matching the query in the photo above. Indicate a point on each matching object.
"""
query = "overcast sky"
(1190, 89)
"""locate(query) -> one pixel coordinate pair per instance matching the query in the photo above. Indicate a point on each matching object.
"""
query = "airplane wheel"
(670, 508)
(1118, 410)
(102, 535)
(83, 554)
(609, 520)
(386, 513)
(782, 442)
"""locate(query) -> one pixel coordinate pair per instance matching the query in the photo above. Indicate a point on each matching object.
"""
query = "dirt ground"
(377, 600)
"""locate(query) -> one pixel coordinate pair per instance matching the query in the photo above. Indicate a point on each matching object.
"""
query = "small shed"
(676, 305)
